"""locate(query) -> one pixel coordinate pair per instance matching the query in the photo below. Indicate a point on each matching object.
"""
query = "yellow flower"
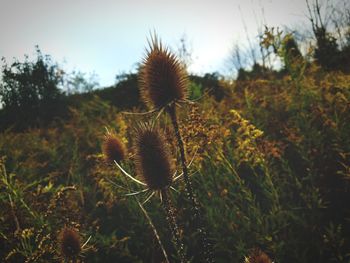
(245, 140)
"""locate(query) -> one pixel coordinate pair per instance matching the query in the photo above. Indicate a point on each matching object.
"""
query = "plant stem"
(208, 255)
(154, 229)
(155, 232)
(170, 216)
(173, 117)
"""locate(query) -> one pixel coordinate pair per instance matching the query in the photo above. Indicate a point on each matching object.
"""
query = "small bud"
(113, 148)
(69, 240)
(258, 256)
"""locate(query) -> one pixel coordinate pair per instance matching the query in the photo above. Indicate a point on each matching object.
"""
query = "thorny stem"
(170, 216)
(189, 189)
(154, 230)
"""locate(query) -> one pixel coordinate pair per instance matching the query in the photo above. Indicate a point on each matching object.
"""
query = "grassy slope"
(284, 190)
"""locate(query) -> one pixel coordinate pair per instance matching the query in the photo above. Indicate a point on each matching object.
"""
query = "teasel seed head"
(69, 241)
(258, 256)
(162, 77)
(113, 148)
(152, 157)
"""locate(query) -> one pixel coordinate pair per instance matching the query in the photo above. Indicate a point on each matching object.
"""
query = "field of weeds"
(268, 163)
(169, 166)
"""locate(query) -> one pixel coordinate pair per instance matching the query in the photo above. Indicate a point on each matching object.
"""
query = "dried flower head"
(258, 256)
(162, 78)
(69, 241)
(153, 162)
(113, 148)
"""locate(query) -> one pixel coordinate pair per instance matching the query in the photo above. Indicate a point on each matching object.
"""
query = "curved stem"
(128, 175)
(155, 232)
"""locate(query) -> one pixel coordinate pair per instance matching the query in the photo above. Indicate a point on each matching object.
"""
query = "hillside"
(270, 170)
(164, 166)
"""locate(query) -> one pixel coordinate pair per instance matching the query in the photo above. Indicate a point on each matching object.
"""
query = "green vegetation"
(271, 166)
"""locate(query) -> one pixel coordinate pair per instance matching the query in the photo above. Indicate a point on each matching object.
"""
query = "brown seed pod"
(69, 241)
(113, 148)
(258, 256)
(152, 158)
(162, 77)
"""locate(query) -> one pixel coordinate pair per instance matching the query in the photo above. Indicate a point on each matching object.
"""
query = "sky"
(110, 37)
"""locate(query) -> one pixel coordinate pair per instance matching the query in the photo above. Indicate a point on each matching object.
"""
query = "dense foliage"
(270, 163)
(29, 91)
(272, 171)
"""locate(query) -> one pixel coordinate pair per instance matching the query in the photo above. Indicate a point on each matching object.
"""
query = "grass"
(271, 172)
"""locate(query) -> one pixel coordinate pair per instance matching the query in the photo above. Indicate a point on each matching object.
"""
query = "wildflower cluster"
(201, 131)
(245, 140)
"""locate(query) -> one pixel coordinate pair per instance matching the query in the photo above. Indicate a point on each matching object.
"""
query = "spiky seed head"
(162, 77)
(113, 148)
(258, 256)
(152, 157)
(69, 241)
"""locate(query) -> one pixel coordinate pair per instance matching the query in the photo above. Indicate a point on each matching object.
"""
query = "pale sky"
(109, 37)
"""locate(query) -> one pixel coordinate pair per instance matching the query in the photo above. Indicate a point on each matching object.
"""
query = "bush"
(29, 91)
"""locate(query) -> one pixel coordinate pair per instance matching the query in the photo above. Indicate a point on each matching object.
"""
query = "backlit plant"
(163, 85)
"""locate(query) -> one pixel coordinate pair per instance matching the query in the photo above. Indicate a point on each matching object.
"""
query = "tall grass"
(271, 169)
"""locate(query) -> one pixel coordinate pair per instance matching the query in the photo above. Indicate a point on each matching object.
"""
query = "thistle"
(163, 84)
(157, 171)
(154, 165)
(152, 158)
(162, 78)
(70, 245)
(115, 151)
(113, 148)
